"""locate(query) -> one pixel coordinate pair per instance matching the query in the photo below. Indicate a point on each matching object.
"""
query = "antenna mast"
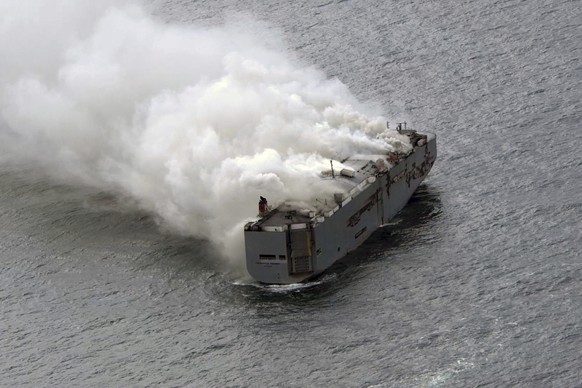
(332, 172)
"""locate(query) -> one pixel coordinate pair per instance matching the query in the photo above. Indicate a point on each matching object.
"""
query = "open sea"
(476, 283)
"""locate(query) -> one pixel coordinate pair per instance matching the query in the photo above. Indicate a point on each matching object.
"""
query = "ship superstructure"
(290, 244)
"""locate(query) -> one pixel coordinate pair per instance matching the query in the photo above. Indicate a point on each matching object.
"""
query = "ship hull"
(303, 251)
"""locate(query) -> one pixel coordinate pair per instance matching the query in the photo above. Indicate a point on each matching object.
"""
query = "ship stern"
(279, 257)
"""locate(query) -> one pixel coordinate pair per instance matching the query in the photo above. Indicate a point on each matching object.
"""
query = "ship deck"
(363, 167)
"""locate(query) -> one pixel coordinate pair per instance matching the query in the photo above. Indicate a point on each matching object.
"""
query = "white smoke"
(193, 123)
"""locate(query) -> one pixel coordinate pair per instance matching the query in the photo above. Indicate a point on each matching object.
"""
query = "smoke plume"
(193, 123)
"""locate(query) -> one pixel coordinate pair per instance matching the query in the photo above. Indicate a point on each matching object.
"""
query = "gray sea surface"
(476, 283)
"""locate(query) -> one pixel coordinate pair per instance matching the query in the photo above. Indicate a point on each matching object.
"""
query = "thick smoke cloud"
(192, 123)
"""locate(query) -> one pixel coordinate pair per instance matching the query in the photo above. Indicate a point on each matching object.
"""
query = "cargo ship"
(290, 244)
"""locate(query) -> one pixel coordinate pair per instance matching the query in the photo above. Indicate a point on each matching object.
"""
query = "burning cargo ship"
(291, 245)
